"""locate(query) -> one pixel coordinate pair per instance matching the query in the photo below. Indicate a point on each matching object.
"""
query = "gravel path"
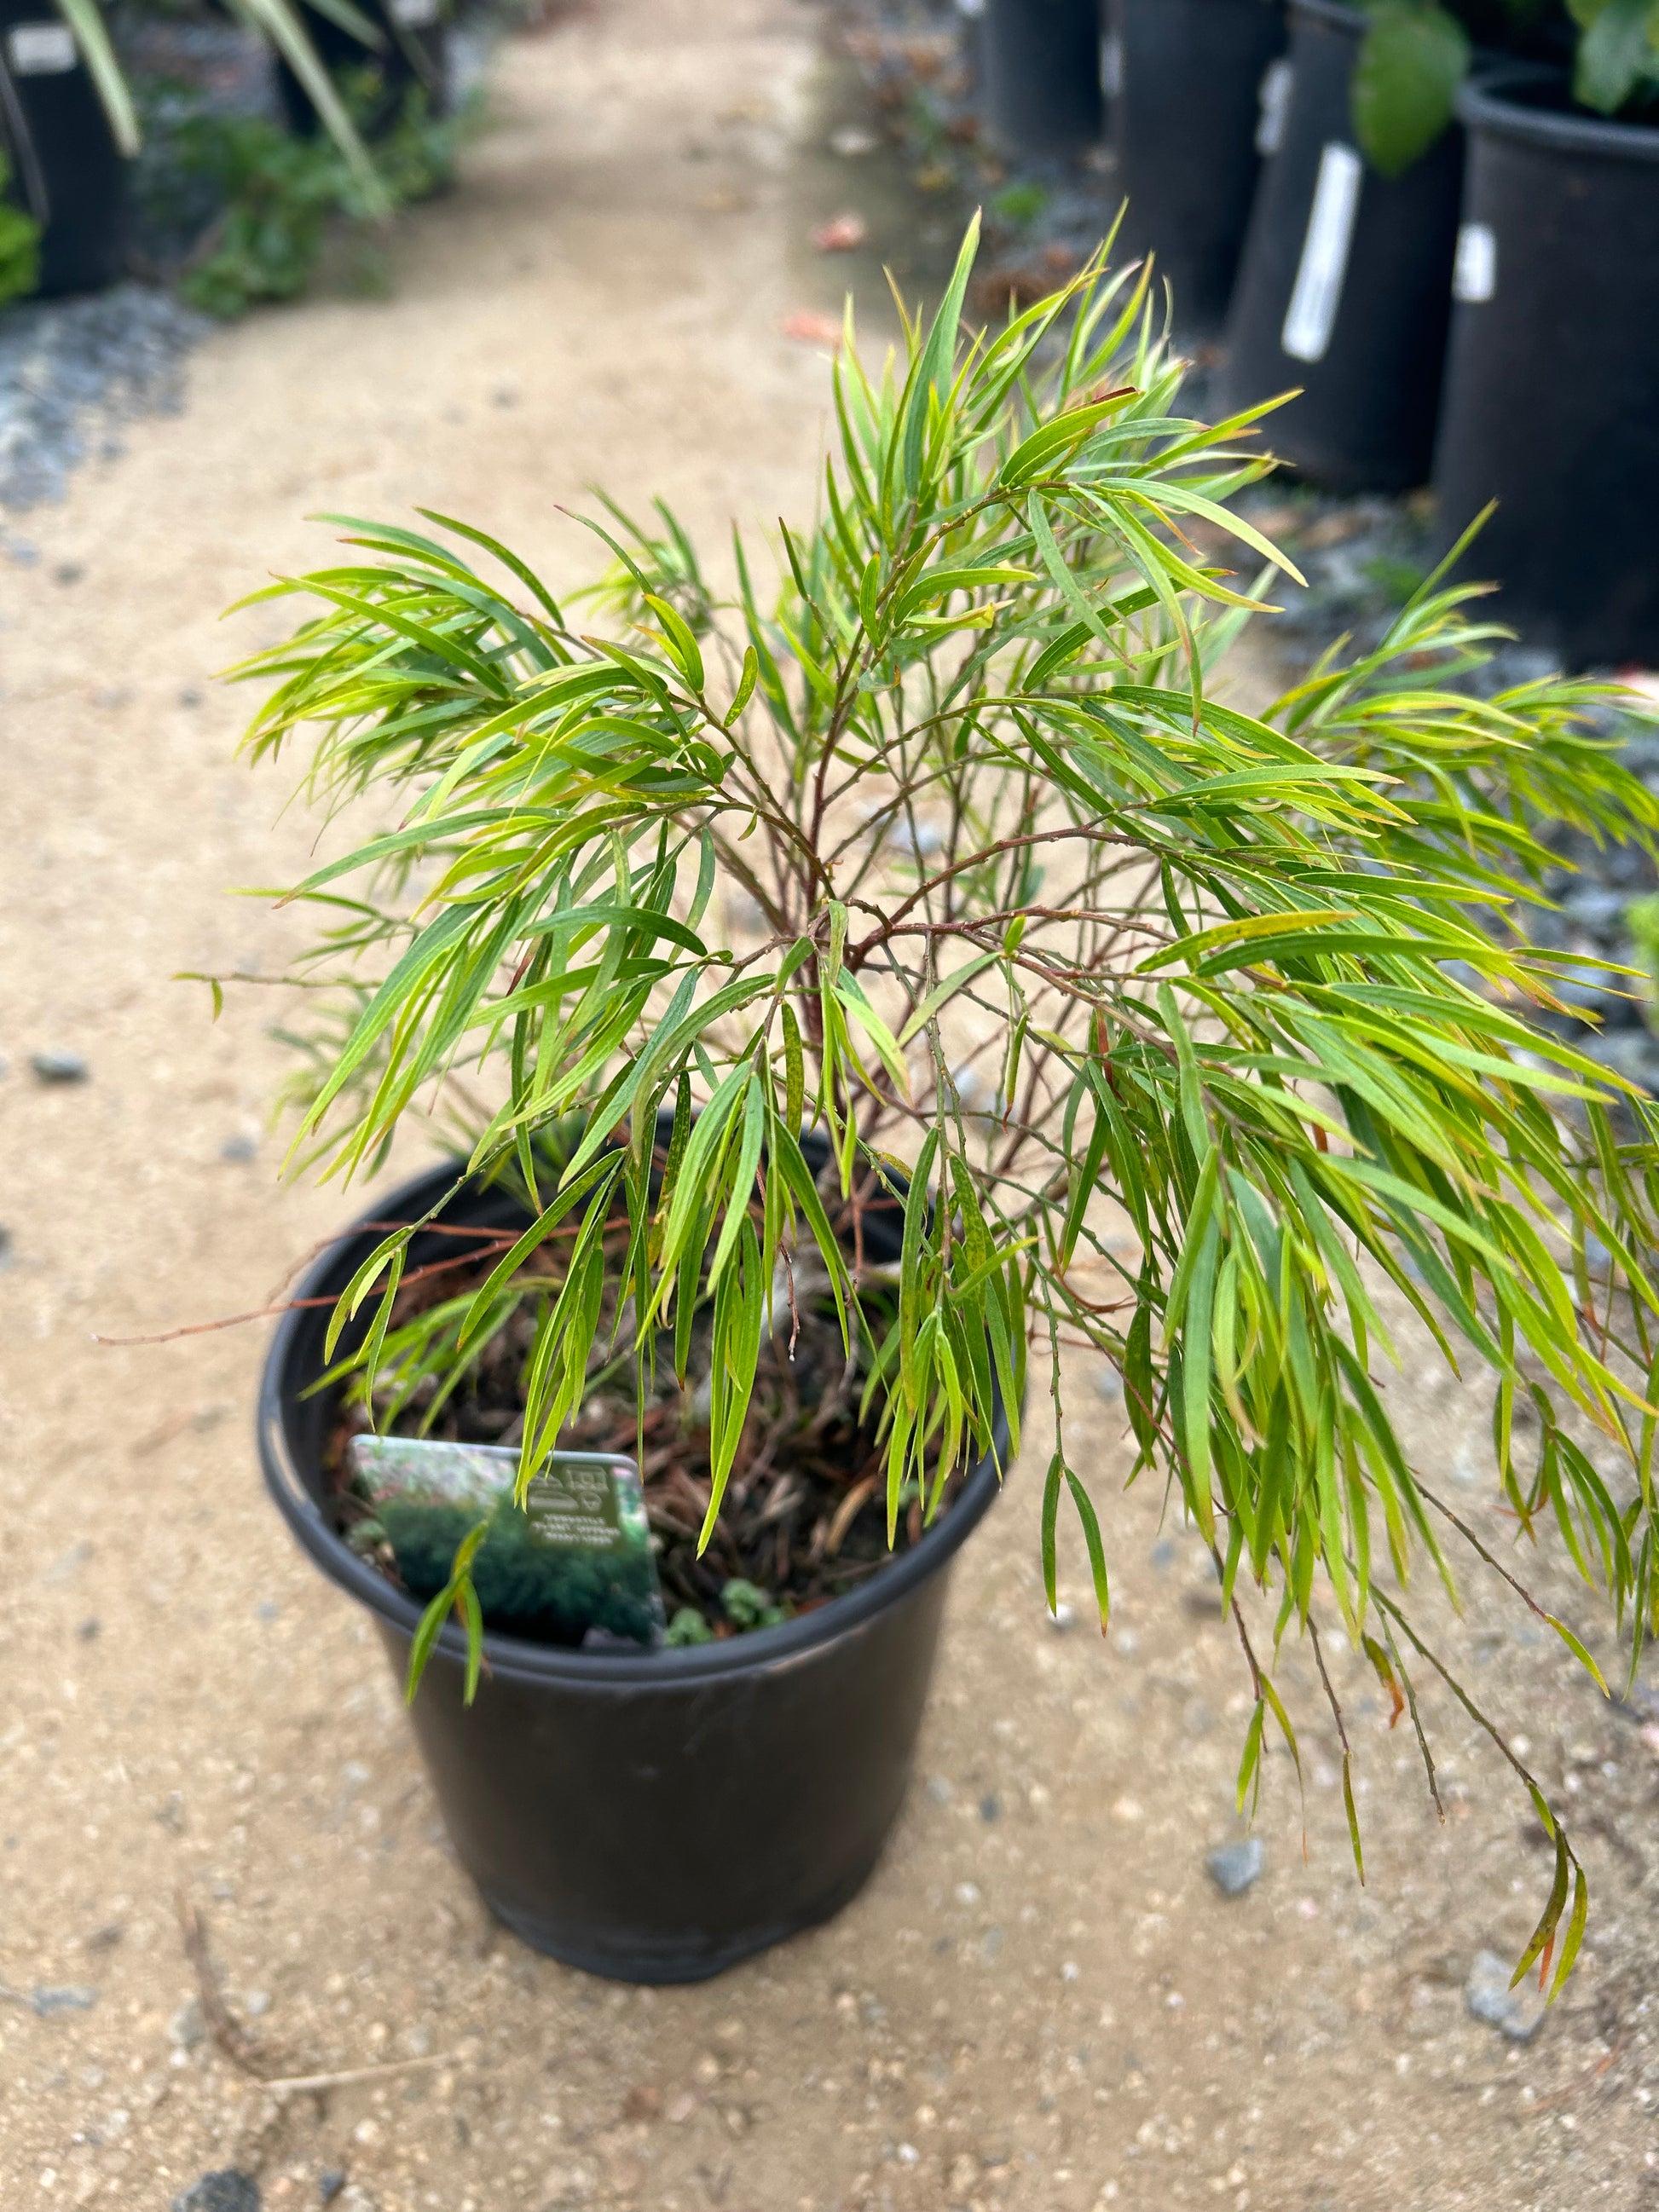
(1045, 2001)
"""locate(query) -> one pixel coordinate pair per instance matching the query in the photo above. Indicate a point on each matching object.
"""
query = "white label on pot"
(41, 49)
(1111, 64)
(1311, 316)
(1474, 273)
(1274, 100)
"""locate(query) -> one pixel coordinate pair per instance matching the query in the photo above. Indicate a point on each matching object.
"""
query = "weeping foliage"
(1177, 1031)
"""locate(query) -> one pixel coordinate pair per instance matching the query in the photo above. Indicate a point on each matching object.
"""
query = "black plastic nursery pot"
(1039, 77)
(67, 171)
(652, 1816)
(1187, 100)
(416, 55)
(1552, 405)
(1345, 287)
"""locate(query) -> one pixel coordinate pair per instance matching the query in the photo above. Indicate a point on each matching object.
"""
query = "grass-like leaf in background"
(1181, 1021)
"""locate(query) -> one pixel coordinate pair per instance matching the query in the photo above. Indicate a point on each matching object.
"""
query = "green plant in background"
(1642, 921)
(282, 196)
(1021, 205)
(20, 245)
(1416, 54)
(1171, 1026)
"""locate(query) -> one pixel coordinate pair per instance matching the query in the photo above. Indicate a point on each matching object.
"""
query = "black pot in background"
(1040, 77)
(1552, 405)
(67, 171)
(416, 53)
(1345, 287)
(1184, 82)
(655, 1816)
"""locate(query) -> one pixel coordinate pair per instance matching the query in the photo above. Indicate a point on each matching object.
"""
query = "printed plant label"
(1474, 273)
(573, 1564)
(1311, 316)
(41, 49)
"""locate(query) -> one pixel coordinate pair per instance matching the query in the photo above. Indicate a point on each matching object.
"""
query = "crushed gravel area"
(74, 373)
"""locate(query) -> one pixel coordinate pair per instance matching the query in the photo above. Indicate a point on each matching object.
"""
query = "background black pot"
(1039, 64)
(1345, 288)
(653, 1816)
(1183, 85)
(1552, 403)
(415, 54)
(67, 171)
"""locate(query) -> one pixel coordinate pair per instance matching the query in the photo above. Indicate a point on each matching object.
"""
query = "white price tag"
(41, 49)
(1317, 294)
(1111, 64)
(1274, 102)
(1474, 273)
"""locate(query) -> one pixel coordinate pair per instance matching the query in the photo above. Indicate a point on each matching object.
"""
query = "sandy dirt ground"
(1042, 2003)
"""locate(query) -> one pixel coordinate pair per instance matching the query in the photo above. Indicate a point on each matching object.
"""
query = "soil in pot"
(1039, 75)
(1550, 383)
(803, 1518)
(67, 171)
(1344, 291)
(1189, 99)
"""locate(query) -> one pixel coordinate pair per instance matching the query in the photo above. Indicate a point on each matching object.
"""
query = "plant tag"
(1317, 294)
(413, 15)
(41, 49)
(574, 1564)
(1273, 104)
(1474, 273)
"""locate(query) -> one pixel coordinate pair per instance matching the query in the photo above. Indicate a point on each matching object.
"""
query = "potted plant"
(1193, 91)
(68, 128)
(1561, 204)
(1039, 77)
(1344, 289)
(913, 966)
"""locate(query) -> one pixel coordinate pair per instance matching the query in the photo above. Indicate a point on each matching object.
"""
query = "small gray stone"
(229, 2189)
(187, 2028)
(1515, 2012)
(74, 1997)
(991, 1942)
(941, 1791)
(330, 2183)
(1109, 1383)
(240, 1148)
(257, 2003)
(59, 1067)
(989, 1807)
(1234, 1867)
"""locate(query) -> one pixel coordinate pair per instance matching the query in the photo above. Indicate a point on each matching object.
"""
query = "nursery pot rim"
(1482, 105)
(1337, 15)
(515, 1658)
